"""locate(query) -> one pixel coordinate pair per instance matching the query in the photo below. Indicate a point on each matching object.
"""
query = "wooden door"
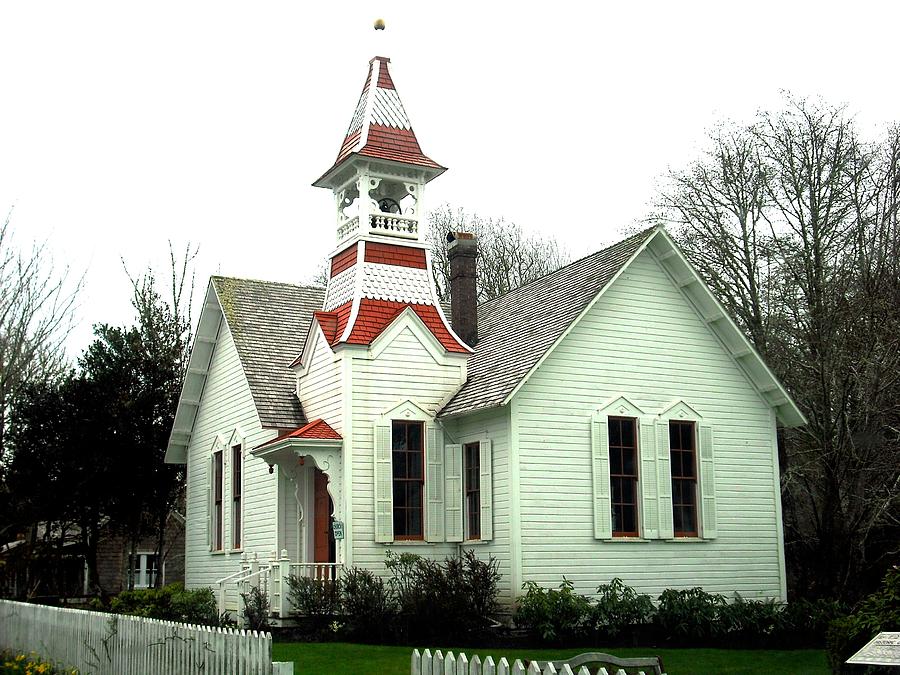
(323, 537)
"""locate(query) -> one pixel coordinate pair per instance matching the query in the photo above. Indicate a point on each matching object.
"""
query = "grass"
(351, 659)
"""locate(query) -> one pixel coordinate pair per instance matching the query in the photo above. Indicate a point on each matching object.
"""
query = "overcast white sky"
(124, 125)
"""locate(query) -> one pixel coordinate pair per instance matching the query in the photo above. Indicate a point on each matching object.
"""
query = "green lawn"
(320, 658)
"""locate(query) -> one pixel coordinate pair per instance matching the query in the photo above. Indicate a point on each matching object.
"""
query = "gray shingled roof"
(269, 322)
(516, 329)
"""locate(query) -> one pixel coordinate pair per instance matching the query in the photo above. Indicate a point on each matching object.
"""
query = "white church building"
(607, 420)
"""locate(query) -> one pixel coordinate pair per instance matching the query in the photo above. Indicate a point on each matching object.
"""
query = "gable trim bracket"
(742, 352)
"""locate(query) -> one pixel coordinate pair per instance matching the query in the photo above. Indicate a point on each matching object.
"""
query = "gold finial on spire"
(379, 24)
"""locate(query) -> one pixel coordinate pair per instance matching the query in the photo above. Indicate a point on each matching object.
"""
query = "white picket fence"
(427, 663)
(116, 644)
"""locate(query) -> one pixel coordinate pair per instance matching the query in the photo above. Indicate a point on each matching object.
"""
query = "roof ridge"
(643, 233)
(269, 283)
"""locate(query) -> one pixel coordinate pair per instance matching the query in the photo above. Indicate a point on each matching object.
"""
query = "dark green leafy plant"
(554, 615)
(256, 608)
(317, 598)
(877, 612)
(690, 615)
(620, 608)
(368, 606)
(169, 603)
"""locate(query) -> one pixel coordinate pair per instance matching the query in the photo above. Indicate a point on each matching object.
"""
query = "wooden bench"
(653, 663)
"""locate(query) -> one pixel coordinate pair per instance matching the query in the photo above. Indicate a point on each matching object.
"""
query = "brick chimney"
(462, 251)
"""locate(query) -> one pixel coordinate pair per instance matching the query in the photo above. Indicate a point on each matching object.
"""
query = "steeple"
(379, 175)
(381, 266)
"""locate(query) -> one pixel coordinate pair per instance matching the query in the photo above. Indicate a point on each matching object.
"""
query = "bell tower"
(379, 177)
(381, 265)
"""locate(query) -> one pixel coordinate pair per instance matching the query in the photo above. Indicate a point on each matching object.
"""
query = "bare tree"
(507, 256)
(37, 305)
(793, 222)
(717, 206)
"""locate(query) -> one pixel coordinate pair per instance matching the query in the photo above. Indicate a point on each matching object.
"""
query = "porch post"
(284, 570)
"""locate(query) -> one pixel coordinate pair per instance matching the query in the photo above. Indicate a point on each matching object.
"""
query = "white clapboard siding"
(644, 341)
(95, 642)
(404, 369)
(226, 406)
(491, 426)
(320, 387)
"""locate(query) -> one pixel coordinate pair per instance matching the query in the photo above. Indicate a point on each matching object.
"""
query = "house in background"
(608, 420)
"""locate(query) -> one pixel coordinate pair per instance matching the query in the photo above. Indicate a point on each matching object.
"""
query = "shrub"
(689, 615)
(256, 608)
(554, 615)
(749, 623)
(367, 604)
(315, 598)
(443, 599)
(169, 603)
(804, 623)
(877, 612)
(620, 609)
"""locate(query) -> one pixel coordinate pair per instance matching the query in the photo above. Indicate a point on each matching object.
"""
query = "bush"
(749, 623)
(690, 615)
(318, 599)
(256, 608)
(556, 616)
(367, 603)
(804, 623)
(620, 609)
(169, 603)
(443, 600)
(877, 612)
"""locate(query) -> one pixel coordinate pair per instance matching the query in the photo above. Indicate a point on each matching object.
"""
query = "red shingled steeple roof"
(380, 127)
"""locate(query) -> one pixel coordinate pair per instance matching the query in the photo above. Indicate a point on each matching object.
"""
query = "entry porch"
(308, 516)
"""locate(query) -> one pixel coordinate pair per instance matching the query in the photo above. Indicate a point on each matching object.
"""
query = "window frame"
(395, 423)
(140, 570)
(693, 480)
(217, 503)
(237, 493)
(634, 477)
(470, 494)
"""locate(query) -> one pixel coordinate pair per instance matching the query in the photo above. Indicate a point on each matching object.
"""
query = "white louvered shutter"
(707, 483)
(600, 466)
(453, 496)
(210, 507)
(486, 486)
(434, 483)
(647, 479)
(664, 481)
(384, 484)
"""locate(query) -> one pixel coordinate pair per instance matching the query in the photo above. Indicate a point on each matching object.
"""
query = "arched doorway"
(323, 535)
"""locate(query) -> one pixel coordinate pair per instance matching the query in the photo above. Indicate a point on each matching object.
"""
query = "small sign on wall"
(337, 527)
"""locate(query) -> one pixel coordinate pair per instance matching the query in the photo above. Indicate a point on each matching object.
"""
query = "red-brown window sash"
(408, 462)
(623, 475)
(472, 477)
(236, 488)
(683, 458)
(217, 500)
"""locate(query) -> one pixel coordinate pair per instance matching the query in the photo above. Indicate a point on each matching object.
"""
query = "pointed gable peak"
(380, 127)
